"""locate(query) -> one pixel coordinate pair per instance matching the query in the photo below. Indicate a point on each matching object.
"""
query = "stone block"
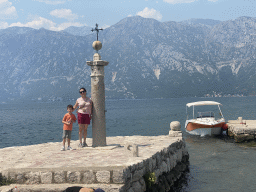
(12, 175)
(163, 168)
(238, 130)
(130, 190)
(154, 163)
(175, 133)
(5, 174)
(118, 176)
(150, 165)
(244, 137)
(127, 173)
(59, 177)
(141, 165)
(174, 159)
(184, 151)
(137, 175)
(88, 177)
(165, 152)
(168, 163)
(249, 131)
(46, 177)
(157, 173)
(179, 155)
(32, 178)
(230, 133)
(146, 165)
(132, 168)
(143, 184)
(171, 150)
(73, 177)
(103, 176)
(136, 186)
(20, 178)
(158, 159)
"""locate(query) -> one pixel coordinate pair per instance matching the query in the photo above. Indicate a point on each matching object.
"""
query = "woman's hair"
(83, 89)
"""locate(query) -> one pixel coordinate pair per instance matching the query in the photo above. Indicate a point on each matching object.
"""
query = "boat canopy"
(200, 103)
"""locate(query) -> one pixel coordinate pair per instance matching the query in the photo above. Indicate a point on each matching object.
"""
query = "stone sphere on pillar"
(175, 126)
(97, 45)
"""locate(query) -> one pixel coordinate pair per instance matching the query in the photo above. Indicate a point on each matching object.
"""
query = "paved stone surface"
(114, 167)
(49, 156)
(242, 130)
(246, 126)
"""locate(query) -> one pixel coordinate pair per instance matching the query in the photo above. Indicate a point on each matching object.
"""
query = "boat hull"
(192, 126)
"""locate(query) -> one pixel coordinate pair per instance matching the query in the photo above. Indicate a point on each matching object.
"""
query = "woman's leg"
(81, 130)
(85, 132)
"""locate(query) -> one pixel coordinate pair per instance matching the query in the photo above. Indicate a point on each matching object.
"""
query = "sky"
(57, 15)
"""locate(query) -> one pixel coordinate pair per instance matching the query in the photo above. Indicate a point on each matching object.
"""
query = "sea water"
(216, 164)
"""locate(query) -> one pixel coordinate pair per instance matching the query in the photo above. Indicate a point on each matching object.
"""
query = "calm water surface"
(216, 164)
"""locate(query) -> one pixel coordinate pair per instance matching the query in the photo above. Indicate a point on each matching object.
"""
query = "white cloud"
(37, 24)
(52, 2)
(179, 1)
(41, 22)
(3, 25)
(150, 13)
(64, 13)
(7, 11)
(213, 0)
(105, 26)
(63, 26)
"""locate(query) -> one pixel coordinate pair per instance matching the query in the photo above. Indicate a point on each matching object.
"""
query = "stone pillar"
(98, 98)
(175, 129)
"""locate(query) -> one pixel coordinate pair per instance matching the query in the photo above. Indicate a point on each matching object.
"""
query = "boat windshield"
(205, 114)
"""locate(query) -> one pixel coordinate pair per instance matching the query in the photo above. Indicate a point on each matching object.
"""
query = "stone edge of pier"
(242, 130)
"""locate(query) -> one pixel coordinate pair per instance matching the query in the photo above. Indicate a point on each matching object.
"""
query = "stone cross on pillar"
(98, 97)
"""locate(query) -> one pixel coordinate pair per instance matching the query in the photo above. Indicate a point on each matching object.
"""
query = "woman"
(84, 115)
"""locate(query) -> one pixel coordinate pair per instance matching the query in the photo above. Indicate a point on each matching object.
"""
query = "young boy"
(68, 120)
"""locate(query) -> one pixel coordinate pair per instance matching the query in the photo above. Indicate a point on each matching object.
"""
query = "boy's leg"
(64, 141)
(69, 137)
(68, 142)
(64, 137)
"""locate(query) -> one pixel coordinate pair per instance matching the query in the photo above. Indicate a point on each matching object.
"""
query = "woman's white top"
(84, 105)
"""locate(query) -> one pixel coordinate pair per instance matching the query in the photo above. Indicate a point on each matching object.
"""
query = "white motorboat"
(204, 123)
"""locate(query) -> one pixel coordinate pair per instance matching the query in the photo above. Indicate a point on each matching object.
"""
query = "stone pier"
(242, 130)
(122, 165)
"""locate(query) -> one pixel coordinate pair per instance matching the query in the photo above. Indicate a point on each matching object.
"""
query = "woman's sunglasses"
(82, 92)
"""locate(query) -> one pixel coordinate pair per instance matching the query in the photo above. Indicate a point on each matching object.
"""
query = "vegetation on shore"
(5, 181)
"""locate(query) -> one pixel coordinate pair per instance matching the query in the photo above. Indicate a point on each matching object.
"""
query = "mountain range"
(147, 59)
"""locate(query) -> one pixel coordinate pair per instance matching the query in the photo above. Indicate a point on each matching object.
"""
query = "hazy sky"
(60, 14)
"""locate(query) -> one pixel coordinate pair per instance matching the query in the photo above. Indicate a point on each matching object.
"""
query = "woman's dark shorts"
(83, 118)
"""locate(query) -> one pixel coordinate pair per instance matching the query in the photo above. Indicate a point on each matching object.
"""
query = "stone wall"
(170, 161)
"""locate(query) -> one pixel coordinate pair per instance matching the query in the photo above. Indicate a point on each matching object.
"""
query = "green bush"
(150, 179)
(5, 181)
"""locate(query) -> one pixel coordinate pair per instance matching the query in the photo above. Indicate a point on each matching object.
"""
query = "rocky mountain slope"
(147, 59)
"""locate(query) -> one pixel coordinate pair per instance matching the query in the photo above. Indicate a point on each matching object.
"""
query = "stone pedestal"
(98, 99)
(175, 129)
